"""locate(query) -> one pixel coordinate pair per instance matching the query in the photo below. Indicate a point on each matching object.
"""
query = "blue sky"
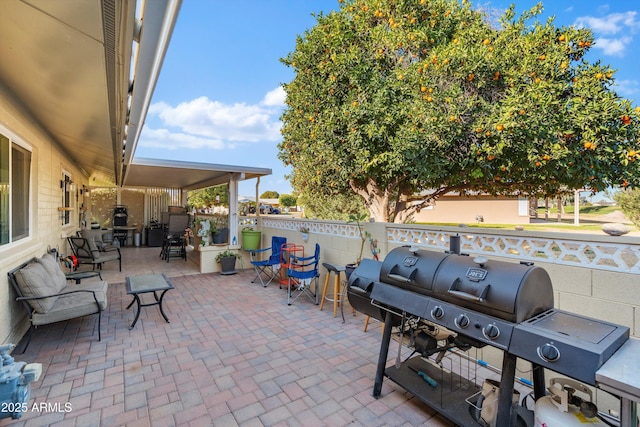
(218, 98)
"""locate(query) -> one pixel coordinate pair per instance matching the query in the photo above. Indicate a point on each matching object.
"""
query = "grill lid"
(510, 291)
(411, 269)
(506, 290)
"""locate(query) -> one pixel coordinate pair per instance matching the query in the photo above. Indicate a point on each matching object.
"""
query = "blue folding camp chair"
(267, 269)
(301, 272)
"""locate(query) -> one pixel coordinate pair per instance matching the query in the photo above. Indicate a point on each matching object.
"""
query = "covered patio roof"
(86, 71)
(185, 175)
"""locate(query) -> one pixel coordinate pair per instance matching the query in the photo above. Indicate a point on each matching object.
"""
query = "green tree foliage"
(395, 99)
(629, 202)
(335, 206)
(211, 196)
(287, 200)
(270, 194)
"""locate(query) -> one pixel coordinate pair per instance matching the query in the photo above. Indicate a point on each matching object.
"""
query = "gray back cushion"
(34, 281)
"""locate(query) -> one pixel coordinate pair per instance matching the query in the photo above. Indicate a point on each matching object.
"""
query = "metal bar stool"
(337, 295)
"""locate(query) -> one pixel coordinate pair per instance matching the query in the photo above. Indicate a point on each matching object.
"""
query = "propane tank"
(561, 408)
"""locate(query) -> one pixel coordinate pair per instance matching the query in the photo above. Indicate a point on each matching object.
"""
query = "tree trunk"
(375, 199)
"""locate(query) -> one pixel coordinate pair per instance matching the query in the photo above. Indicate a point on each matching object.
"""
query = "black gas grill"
(478, 302)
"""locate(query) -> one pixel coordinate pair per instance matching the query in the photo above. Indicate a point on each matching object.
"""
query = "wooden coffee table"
(137, 285)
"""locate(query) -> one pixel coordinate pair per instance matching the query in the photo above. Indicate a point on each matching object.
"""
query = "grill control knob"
(437, 312)
(491, 332)
(549, 353)
(462, 321)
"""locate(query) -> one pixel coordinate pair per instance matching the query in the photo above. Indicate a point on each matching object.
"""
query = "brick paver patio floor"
(234, 354)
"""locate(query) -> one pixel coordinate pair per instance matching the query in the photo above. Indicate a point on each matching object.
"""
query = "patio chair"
(99, 238)
(87, 252)
(174, 244)
(269, 267)
(302, 272)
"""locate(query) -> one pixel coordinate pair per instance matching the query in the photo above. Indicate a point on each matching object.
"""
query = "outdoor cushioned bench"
(47, 297)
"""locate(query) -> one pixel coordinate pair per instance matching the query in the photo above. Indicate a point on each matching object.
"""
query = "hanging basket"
(251, 239)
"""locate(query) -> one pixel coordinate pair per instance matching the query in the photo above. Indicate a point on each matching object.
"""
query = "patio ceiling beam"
(158, 20)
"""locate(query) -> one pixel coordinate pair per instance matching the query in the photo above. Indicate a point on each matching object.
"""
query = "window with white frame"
(15, 190)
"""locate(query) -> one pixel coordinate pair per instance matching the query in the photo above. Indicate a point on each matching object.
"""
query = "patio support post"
(233, 208)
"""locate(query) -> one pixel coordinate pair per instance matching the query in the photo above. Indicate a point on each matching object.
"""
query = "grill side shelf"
(447, 398)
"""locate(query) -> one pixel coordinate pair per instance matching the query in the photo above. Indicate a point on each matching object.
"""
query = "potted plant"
(220, 231)
(227, 260)
(364, 235)
(250, 239)
(305, 234)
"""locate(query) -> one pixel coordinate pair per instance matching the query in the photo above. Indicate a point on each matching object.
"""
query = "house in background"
(457, 209)
(76, 81)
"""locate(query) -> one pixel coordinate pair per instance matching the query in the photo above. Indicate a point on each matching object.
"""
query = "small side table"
(137, 285)
(79, 275)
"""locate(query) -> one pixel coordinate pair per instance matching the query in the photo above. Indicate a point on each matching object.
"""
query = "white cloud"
(627, 88)
(237, 122)
(162, 138)
(622, 24)
(275, 98)
(610, 24)
(204, 123)
(613, 47)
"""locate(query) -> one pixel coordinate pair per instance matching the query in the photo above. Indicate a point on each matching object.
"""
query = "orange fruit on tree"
(546, 157)
(538, 164)
(626, 120)
(499, 127)
(562, 38)
(486, 42)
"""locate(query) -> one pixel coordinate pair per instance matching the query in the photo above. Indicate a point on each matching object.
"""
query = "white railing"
(333, 228)
(589, 251)
(601, 252)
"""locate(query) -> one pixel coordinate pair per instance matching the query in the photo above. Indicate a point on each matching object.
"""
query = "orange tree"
(402, 101)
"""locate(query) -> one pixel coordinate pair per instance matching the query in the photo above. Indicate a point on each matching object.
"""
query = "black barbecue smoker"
(444, 302)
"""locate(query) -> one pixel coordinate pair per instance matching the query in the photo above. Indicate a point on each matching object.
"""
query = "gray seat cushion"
(75, 304)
